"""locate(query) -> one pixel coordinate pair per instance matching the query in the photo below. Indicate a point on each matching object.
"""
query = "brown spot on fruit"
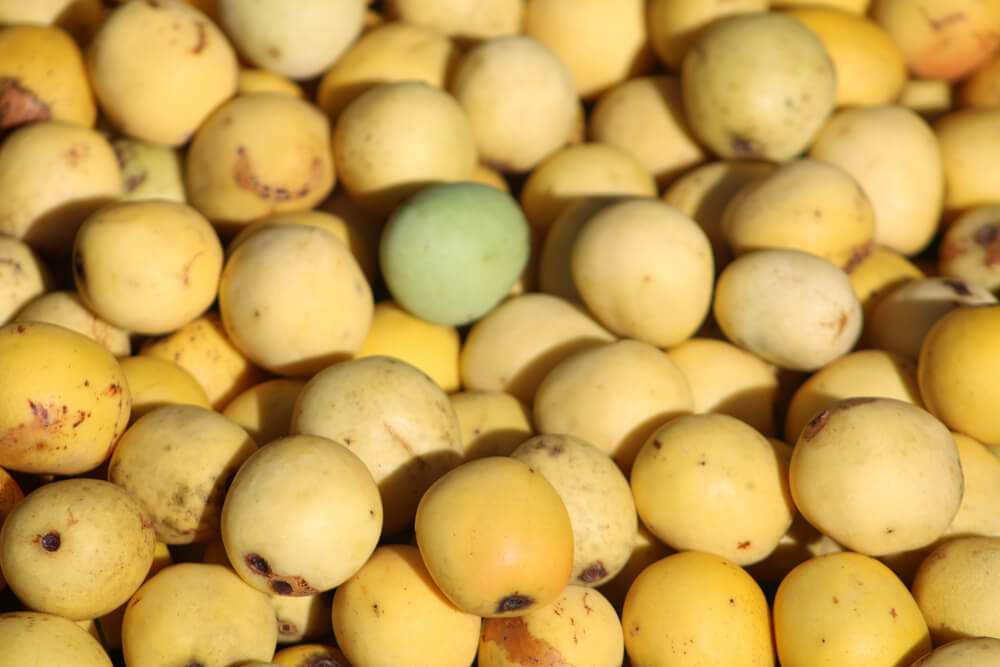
(202, 37)
(958, 287)
(985, 234)
(246, 178)
(287, 628)
(817, 423)
(743, 545)
(258, 564)
(892, 612)
(50, 541)
(742, 146)
(519, 644)
(134, 181)
(858, 256)
(593, 572)
(514, 602)
(657, 444)
(18, 105)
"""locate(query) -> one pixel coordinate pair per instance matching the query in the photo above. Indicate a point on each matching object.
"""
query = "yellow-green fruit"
(391, 415)
(65, 400)
(257, 155)
(878, 475)
(967, 652)
(76, 547)
(299, 44)
(713, 483)
(176, 461)
(182, 49)
(894, 156)
(170, 620)
(495, 537)
(968, 152)
(310, 655)
(392, 613)
(24, 277)
(698, 609)
(519, 98)
(804, 204)
(860, 373)
(727, 379)
(597, 497)
(301, 516)
(43, 77)
(613, 395)
(465, 20)
(492, 423)
(397, 138)
(958, 362)
(790, 307)
(147, 266)
(36, 638)
(847, 609)
(644, 269)
(65, 308)
(957, 591)
(970, 245)
(155, 382)
(265, 409)
(757, 85)
(675, 26)
(578, 628)
(294, 273)
(53, 174)
(645, 116)
(149, 171)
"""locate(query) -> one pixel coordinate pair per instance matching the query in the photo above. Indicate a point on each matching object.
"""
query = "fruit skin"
(65, 308)
(965, 652)
(737, 71)
(495, 537)
(37, 638)
(450, 253)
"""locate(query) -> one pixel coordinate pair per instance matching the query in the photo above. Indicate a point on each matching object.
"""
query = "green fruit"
(452, 252)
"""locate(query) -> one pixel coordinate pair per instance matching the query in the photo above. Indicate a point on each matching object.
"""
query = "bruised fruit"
(495, 537)
(970, 248)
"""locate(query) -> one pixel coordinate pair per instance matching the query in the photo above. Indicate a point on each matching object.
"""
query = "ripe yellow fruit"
(36, 638)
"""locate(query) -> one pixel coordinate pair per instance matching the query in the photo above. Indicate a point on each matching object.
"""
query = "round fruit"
(66, 308)
(965, 652)
(36, 638)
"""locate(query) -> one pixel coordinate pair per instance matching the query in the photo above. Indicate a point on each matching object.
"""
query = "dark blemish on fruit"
(985, 235)
(113, 389)
(18, 105)
(521, 647)
(943, 22)
(13, 263)
(634, 629)
(78, 266)
(245, 178)
(378, 612)
(20, 328)
(593, 572)
(958, 287)
(890, 531)
(287, 628)
(155, 4)
(41, 412)
(86, 383)
(556, 451)
(702, 462)
(657, 444)
(82, 416)
(75, 153)
(514, 602)
(281, 587)
(743, 545)
(323, 661)
(399, 439)
(892, 612)
(743, 146)
(857, 257)
(732, 602)
(190, 664)
(199, 45)
(50, 541)
(822, 640)
(258, 564)
(836, 600)
(134, 181)
(817, 423)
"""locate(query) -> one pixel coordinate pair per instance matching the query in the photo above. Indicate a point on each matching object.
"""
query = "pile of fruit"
(519, 332)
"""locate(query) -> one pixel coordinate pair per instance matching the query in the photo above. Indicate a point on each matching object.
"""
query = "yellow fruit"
(155, 382)
(36, 638)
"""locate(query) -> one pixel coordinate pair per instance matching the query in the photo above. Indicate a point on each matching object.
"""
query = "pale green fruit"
(149, 171)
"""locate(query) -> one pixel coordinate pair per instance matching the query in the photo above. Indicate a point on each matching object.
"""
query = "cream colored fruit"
(956, 591)
(878, 475)
(580, 170)
(301, 516)
(176, 461)
(24, 277)
(603, 42)
(392, 51)
(645, 116)
(738, 69)
(805, 204)
(203, 349)
(519, 98)
(147, 266)
(465, 20)
(941, 39)
(958, 362)
(399, 137)
(155, 382)
(299, 44)
(180, 624)
(518, 342)
(391, 415)
(36, 638)
(873, 372)
(613, 396)
(713, 483)
(257, 155)
(703, 193)
(695, 608)
(968, 150)
(492, 423)
(869, 65)
(767, 302)
(727, 379)
(578, 628)
(433, 348)
(65, 400)
(149, 171)
(334, 299)
(900, 321)
(894, 156)
(265, 409)
(256, 80)
(644, 269)
(77, 547)
(981, 493)
(675, 26)
(181, 49)
(391, 613)
(877, 273)
(965, 652)
(44, 77)
(495, 537)
(53, 174)
(847, 609)
(597, 497)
